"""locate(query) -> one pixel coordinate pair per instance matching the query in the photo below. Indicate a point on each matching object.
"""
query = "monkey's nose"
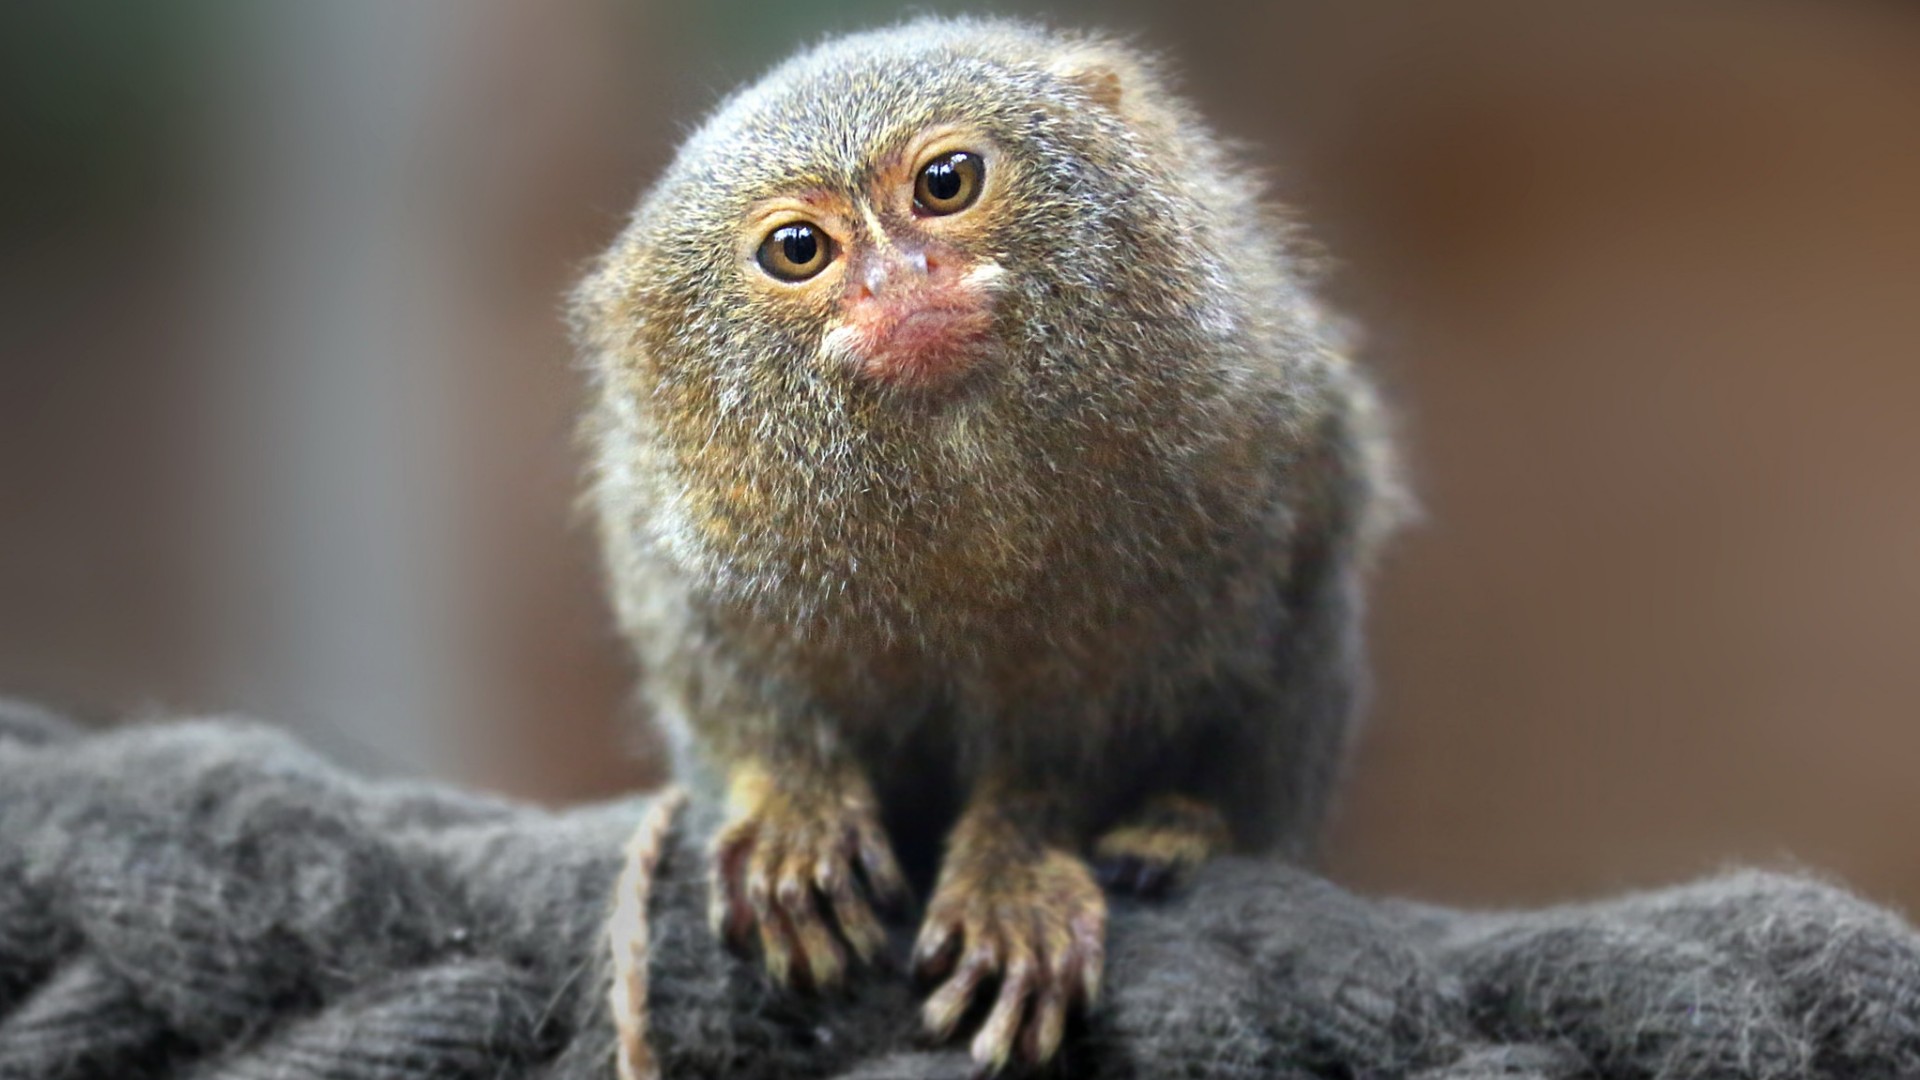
(910, 265)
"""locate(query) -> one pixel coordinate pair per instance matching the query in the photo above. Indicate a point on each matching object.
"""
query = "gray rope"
(209, 900)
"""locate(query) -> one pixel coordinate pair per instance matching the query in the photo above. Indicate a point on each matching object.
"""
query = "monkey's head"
(915, 302)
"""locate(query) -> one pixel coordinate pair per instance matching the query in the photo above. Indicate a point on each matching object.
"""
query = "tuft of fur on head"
(1155, 364)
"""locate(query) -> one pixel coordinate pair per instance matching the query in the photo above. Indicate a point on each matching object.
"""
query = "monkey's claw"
(802, 872)
(1039, 929)
(1149, 854)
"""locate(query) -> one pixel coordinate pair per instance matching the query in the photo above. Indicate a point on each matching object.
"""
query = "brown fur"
(1123, 562)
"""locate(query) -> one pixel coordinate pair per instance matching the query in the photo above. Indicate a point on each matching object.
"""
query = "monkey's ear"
(1106, 77)
(1093, 75)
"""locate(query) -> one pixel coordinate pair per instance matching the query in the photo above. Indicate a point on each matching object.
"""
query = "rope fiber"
(210, 900)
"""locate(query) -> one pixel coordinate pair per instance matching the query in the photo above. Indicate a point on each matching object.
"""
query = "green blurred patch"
(96, 99)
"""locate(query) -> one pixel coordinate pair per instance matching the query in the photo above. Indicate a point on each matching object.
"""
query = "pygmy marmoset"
(972, 462)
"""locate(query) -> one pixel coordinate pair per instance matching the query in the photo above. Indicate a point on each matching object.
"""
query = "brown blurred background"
(285, 397)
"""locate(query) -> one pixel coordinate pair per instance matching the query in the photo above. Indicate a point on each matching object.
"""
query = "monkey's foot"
(1036, 922)
(1160, 846)
(800, 866)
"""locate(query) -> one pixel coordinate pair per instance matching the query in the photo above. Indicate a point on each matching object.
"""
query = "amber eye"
(949, 183)
(795, 251)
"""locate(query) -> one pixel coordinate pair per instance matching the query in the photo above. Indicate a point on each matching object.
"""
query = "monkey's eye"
(949, 183)
(795, 251)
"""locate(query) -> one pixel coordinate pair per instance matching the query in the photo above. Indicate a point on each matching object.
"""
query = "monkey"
(988, 502)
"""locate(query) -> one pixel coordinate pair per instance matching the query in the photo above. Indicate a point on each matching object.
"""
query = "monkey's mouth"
(925, 346)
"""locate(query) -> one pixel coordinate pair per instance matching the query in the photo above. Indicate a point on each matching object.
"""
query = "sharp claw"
(1135, 876)
(1089, 955)
(789, 871)
(992, 1055)
(1152, 879)
(855, 918)
(790, 892)
(826, 963)
(1041, 934)
(759, 890)
(1048, 1024)
(882, 871)
(941, 1014)
(949, 1003)
(1090, 977)
(994, 1043)
(935, 952)
(778, 951)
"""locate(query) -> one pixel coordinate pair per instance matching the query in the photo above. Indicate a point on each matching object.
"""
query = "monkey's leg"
(1015, 904)
(797, 864)
(1160, 845)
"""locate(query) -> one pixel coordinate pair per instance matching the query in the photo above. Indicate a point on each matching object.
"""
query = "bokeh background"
(285, 400)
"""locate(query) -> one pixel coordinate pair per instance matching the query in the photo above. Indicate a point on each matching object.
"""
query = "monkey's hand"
(800, 864)
(1011, 908)
(1161, 846)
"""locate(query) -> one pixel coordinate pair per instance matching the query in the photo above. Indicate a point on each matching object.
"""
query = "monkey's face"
(918, 303)
(929, 214)
(900, 278)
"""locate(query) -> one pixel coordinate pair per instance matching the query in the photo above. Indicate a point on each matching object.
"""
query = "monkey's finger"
(729, 914)
(993, 1045)
(1054, 994)
(856, 920)
(937, 949)
(948, 1004)
(757, 878)
(776, 940)
(826, 960)
(1089, 932)
(778, 953)
(1047, 1025)
(882, 870)
(1153, 879)
(793, 892)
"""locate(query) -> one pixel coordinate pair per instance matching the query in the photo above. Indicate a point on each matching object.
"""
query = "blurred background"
(286, 401)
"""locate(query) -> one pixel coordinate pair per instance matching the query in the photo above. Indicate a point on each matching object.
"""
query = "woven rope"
(208, 901)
